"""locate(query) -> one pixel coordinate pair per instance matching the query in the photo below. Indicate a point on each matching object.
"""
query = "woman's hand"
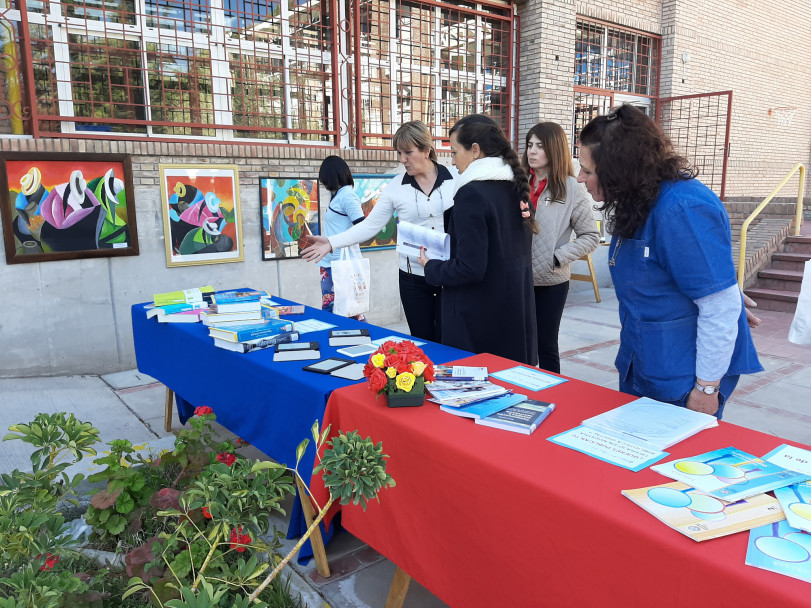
(423, 260)
(702, 402)
(319, 247)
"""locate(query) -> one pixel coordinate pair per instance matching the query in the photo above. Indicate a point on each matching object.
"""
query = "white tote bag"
(800, 330)
(350, 282)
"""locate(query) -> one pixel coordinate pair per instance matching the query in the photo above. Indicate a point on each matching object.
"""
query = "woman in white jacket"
(562, 206)
(421, 197)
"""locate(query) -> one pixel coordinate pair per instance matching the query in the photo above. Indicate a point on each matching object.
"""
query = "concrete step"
(773, 299)
(785, 280)
(798, 244)
(790, 261)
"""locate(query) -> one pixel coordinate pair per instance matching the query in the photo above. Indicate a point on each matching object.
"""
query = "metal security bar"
(319, 72)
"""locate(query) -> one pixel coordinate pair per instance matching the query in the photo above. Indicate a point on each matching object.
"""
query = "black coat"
(488, 300)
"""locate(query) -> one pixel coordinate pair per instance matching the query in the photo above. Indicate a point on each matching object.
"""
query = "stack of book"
(258, 336)
(234, 308)
(452, 394)
(185, 306)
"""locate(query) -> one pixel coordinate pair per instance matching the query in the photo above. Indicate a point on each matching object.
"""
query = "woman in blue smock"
(343, 212)
(684, 339)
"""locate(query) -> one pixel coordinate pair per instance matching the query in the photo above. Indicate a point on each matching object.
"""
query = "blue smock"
(683, 252)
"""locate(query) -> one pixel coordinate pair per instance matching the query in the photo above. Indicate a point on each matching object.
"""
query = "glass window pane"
(178, 15)
(111, 11)
(258, 20)
(310, 107)
(257, 96)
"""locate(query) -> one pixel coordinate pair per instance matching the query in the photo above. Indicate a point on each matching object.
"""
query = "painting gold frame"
(202, 219)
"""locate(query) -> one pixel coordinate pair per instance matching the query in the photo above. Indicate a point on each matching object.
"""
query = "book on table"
(297, 351)
(780, 548)
(729, 474)
(238, 295)
(522, 417)
(156, 311)
(795, 500)
(250, 346)
(484, 407)
(456, 398)
(349, 337)
(240, 333)
(651, 423)
(185, 296)
(214, 319)
(187, 316)
(703, 517)
(459, 373)
(411, 238)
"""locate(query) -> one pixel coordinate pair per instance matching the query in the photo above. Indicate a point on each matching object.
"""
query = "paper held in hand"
(411, 237)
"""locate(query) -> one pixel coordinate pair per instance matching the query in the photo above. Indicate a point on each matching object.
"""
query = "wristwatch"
(707, 390)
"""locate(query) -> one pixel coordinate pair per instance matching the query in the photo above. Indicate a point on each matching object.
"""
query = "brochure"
(795, 500)
(381, 341)
(308, 325)
(790, 457)
(482, 409)
(410, 238)
(456, 398)
(652, 423)
(782, 549)
(729, 474)
(459, 373)
(608, 448)
(703, 517)
(528, 377)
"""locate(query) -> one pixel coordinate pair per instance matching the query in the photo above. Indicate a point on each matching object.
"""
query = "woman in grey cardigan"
(562, 206)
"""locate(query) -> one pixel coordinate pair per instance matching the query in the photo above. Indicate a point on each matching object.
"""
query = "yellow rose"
(391, 372)
(418, 367)
(378, 359)
(405, 381)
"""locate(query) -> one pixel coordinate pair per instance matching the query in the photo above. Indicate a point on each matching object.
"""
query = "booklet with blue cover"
(481, 409)
(782, 549)
(729, 474)
(795, 500)
(528, 377)
(523, 417)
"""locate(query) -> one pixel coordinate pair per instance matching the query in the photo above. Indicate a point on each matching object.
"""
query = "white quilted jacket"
(553, 249)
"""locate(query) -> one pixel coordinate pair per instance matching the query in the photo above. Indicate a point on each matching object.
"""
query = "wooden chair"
(591, 276)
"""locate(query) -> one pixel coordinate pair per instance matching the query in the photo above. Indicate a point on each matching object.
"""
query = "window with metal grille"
(324, 72)
(613, 64)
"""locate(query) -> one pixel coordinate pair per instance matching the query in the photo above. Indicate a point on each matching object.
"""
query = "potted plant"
(399, 370)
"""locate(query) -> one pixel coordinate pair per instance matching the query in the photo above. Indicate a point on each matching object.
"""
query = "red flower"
(377, 380)
(241, 443)
(50, 561)
(238, 538)
(227, 458)
(206, 513)
(428, 374)
(203, 410)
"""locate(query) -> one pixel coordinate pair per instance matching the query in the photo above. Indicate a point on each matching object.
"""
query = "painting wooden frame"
(57, 206)
(288, 212)
(202, 219)
(368, 187)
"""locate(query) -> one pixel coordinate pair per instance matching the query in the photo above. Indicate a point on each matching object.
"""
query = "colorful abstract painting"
(289, 209)
(368, 188)
(67, 207)
(201, 216)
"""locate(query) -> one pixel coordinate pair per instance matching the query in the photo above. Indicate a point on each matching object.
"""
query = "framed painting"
(66, 206)
(202, 223)
(289, 213)
(368, 188)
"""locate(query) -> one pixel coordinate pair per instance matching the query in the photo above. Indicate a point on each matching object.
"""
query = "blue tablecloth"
(270, 404)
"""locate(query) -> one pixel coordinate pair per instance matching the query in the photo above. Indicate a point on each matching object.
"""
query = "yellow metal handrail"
(798, 215)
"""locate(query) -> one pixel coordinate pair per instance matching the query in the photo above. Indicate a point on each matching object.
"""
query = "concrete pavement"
(130, 405)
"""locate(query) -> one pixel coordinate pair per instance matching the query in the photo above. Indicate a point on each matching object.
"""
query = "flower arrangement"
(398, 368)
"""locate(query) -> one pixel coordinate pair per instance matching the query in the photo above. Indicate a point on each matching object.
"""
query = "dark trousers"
(549, 303)
(422, 304)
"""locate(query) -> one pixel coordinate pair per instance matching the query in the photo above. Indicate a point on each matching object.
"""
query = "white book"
(410, 238)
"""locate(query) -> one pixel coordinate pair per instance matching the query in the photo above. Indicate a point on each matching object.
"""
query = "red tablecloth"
(486, 517)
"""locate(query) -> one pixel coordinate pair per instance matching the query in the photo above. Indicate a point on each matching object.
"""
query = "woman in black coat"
(488, 302)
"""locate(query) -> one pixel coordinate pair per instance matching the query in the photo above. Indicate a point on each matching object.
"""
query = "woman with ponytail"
(487, 292)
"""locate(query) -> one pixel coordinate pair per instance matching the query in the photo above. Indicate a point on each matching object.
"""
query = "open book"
(411, 237)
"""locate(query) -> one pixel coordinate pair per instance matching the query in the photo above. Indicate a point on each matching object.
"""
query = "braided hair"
(484, 131)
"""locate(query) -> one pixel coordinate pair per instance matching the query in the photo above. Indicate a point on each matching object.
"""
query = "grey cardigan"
(557, 220)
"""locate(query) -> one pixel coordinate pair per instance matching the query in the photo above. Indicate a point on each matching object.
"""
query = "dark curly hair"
(632, 157)
(483, 130)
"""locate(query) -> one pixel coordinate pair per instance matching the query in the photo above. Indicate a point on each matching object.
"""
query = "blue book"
(780, 548)
(523, 417)
(238, 295)
(171, 309)
(486, 407)
(243, 333)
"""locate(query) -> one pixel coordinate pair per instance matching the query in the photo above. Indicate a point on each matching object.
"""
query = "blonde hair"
(414, 134)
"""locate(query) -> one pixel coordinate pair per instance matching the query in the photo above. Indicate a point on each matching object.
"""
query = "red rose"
(203, 410)
(227, 458)
(206, 513)
(428, 374)
(377, 380)
(393, 360)
(238, 538)
(368, 368)
(50, 561)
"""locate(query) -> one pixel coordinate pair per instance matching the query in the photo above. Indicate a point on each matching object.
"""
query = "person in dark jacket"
(488, 302)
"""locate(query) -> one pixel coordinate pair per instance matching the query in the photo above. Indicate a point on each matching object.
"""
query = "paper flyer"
(780, 548)
(608, 448)
(795, 501)
(528, 377)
